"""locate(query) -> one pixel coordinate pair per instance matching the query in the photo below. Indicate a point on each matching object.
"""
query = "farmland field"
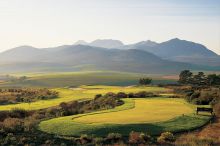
(152, 115)
(79, 93)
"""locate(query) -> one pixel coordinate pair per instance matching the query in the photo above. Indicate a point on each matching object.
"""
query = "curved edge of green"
(63, 126)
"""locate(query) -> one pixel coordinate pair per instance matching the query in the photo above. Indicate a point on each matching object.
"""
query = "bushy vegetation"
(199, 96)
(166, 137)
(12, 96)
(18, 125)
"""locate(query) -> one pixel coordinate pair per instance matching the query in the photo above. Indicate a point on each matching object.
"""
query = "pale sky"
(47, 23)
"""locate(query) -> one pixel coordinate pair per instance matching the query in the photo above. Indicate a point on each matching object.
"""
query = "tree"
(200, 79)
(145, 81)
(213, 79)
(185, 77)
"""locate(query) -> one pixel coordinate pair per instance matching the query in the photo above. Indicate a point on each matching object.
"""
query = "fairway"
(145, 111)
(79, 93)
(152, 115)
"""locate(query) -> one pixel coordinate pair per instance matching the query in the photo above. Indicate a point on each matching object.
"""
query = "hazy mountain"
(182, 51)
(22, 53)
(146, 56)
(177, 47)
(107, 43)
(81, 42)
(148, 44)
(77, 57)
(103, 43)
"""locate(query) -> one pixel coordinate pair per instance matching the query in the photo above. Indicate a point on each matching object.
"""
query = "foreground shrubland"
(20, 127)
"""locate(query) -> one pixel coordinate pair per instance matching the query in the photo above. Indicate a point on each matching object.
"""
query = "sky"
(49, 23)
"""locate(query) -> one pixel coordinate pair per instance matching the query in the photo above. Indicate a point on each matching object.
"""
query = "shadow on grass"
(151, 129)
(179, 124)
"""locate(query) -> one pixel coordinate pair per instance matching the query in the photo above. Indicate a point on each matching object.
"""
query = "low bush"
(13, 125)
(139, 138)
(114, 137)
(166, 137)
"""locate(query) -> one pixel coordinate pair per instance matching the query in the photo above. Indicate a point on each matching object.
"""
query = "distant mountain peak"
(148, 43)
(22, 48)
(80, 42)
(106, 43)
(177, 39)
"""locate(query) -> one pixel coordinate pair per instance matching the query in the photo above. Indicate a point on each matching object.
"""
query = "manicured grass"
(80, 93)
(146, 110)
(144, 117)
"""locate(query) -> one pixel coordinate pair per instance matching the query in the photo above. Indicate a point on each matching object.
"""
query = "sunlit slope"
(146, 110)
(65, 95)
(79, 93)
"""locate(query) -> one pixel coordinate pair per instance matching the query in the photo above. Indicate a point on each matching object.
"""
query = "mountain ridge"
(139, 57)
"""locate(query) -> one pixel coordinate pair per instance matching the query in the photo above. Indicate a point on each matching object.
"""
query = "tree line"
(187, 77)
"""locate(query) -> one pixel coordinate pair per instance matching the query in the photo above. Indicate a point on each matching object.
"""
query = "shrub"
(114, 137)
(13, 124)
(139, 138)
(194, 95)
(122, 95)
(131, 95)
(166, 137)
(98, 140)
(85, 139)
(196, 101)
(145, 137)
(29, 124)
(97, 96)
(10, 139)
(18, 113)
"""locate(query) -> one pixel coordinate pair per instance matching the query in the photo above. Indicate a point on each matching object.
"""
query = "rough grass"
(125, 118)
(80, 93)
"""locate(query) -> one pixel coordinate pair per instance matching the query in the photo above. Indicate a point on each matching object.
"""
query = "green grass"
(146, 110)
(56, 80)
(71, 126)
(79, 93)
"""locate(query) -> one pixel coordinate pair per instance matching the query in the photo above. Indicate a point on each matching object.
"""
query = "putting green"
(152, 115)
(145, 111)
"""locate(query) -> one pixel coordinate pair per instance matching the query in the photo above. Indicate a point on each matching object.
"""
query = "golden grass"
(80, 93)
(145, 111)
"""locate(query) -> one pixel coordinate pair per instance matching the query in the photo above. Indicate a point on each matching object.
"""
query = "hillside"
(143, 57)
(181, 51)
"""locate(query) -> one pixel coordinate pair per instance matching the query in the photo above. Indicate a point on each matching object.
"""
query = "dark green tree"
(185, 77)
(199, 79)
(213, 79)
(145, 81)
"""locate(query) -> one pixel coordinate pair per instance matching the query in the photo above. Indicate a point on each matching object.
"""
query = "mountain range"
(144, 57)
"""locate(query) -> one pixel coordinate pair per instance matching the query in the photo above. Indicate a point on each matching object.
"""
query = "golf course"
(153, 114)
(79, 93)
(136, 114)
